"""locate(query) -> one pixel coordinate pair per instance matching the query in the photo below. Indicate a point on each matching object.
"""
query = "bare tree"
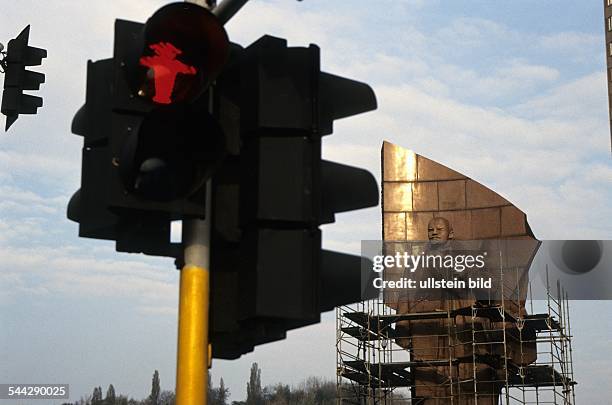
(167, 398)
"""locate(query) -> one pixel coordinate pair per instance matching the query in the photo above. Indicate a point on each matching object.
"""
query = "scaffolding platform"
(398, 374)
(380, 326)
(523, 358)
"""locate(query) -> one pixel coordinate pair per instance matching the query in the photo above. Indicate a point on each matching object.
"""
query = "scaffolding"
(490, 353)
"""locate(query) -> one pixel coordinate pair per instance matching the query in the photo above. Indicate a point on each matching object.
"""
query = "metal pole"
(227, 9)
(224, 11)
(193, 353)
(209, 4)
(193, 356)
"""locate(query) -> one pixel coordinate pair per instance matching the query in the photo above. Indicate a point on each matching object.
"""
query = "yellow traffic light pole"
(193, 349)
(193, 356)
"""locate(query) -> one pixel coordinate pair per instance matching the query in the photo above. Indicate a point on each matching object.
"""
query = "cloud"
(20, 200)
(169, 311)
(569, 41)
(422, 106)
(299, 25)
(552, 165)
(72, 272)
(466, 32)
(581, 99)
(599, 173)
(22, 230)
(385, 68)
(33, 167)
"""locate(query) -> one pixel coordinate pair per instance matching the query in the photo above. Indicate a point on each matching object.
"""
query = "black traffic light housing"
(146, 161)
(274, 190)
(17, 79)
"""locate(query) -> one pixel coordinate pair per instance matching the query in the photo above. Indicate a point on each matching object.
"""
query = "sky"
(512, 94)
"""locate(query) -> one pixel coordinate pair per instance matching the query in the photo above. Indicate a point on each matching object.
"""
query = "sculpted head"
(439, 229)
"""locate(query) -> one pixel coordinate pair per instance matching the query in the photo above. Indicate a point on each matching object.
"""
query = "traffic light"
(273, 191)
(178, 105)
(17, 79)
(164, 142)
(150, 143)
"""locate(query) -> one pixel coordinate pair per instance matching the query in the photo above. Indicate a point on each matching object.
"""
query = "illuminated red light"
(165, 68)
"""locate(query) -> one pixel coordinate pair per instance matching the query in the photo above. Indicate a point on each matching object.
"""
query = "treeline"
(313, 391)
(157, 397)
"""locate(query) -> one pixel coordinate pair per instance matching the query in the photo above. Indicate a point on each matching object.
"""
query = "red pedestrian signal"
(184, 47)
(165, 68)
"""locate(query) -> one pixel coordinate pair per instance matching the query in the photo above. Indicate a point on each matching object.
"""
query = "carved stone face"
(439, 229)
